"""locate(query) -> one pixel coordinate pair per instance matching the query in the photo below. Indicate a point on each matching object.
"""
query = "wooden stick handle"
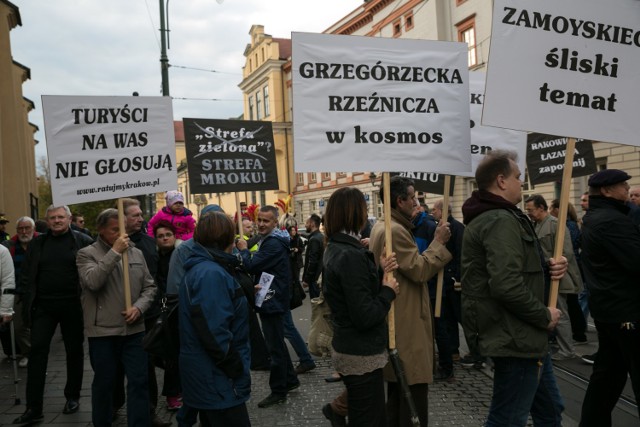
(445, 215)
(386, 189)
(125, 259)
(562, 215)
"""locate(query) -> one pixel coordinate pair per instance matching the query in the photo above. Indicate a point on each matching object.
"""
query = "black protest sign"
(230, 155)
(545, 158)
(427, 182)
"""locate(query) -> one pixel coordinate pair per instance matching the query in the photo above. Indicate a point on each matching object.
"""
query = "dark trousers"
(236, 416)
(282, 372)
(259, 352)
(45, 318)
(105, 354)
(443, 340)
(618, 354)
(365, 397)
(453, 302)
(314, 290)
(578, 322)
(398, 409)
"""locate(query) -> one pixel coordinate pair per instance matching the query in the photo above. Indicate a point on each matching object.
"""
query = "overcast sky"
(112, 47)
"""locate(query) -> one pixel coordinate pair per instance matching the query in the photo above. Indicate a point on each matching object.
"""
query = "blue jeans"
(282, 373)
(104, 353)
(522, 386)
(583, 299)
(299, 346)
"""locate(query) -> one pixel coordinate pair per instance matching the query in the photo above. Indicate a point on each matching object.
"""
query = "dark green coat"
(503, 313)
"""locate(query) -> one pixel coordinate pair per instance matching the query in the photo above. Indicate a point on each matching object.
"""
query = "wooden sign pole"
(388, 241)
(125, 259)
(445, 216)
(239, 215)
(562, 215)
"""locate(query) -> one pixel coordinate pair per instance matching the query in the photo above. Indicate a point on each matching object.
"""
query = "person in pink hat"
(176, 214)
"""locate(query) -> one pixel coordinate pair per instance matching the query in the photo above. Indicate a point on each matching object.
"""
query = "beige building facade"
(18, 185)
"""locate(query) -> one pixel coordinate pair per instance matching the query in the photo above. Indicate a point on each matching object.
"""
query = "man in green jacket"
(503, 311)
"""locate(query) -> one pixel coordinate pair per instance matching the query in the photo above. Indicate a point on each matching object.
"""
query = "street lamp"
(373, 177)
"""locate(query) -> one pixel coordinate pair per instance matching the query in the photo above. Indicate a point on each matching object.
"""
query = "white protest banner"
(106, 147)
(371, 103)
(487, 138)
(566, 68)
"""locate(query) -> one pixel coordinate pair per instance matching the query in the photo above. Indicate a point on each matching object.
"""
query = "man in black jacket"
(313, 258)
(610, 254)
(51, 297)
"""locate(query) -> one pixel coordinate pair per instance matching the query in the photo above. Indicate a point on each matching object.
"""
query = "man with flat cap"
(610, 254)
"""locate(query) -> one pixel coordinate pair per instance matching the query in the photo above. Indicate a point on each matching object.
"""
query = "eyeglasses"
(164, 236)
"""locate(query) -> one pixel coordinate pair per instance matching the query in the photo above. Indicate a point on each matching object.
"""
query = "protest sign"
(105, 147)
(546, 158)
(428, 182)
(230, 155)
(370, 103)
(565, 68)
(487, 138)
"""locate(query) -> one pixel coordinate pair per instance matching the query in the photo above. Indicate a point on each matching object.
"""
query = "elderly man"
(51, 289)
(610, 254)
(634, 196)
(546, 226)
(115, 331)
(413, 318)
(17, 245)
(503, 310)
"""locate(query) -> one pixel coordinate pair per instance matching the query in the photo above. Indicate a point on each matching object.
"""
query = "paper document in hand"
(265, 284)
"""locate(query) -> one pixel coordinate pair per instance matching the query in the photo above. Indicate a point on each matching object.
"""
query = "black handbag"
(297, 294)
(162, 340)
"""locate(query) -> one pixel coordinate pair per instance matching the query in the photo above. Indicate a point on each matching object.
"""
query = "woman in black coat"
(359, 300)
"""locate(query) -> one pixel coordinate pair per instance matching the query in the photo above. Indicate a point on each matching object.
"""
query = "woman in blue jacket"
(359, 302)
(214, 331)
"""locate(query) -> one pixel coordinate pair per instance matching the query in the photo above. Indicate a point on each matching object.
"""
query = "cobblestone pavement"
(463, 402)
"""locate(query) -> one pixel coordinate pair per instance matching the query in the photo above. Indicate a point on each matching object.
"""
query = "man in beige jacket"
(413, 322)
(114, 331)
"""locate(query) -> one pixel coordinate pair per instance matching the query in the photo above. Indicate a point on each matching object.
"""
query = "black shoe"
(293, 386)
(301, 369)
(336, 420)
(332, 379)
(272, 399)
(467, 361)
(30, 416)
(444, 376)
(589, 358)
(71, 406)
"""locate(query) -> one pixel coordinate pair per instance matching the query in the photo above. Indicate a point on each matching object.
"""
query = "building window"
(313, 206)
(341, 174)
(467, 34)
(265, 93)
(326, 176)
(262, 53)
(397, 28)
(258, 106)
(408, 21)
(300, 179)
(313, 177)
(251, 108)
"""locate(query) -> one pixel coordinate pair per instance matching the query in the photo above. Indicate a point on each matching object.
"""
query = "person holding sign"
(413, 319)
(610, 254)
(503, 312)
(272, 258)
(359, 302)
(115, 331)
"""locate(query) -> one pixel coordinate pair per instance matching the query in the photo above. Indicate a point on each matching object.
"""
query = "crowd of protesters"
(232, 293)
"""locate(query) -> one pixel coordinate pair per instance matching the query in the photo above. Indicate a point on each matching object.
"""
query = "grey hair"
(26, 219)
(53, 208)
(104, 217)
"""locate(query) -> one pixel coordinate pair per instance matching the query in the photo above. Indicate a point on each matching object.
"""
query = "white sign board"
(566, 68)
(487, 138)
(371, 103)
(108, 147)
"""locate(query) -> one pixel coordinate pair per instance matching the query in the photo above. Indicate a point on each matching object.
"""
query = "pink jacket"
(182, 222)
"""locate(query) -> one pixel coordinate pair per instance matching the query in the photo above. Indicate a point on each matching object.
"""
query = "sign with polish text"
(566, 68)
(106, 147)
(371, 103)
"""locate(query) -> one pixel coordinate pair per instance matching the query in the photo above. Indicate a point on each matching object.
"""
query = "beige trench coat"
(413, 318)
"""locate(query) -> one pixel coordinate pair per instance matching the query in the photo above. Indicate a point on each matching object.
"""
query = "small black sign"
(428, 182)
(230, 155)
(545, 158)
